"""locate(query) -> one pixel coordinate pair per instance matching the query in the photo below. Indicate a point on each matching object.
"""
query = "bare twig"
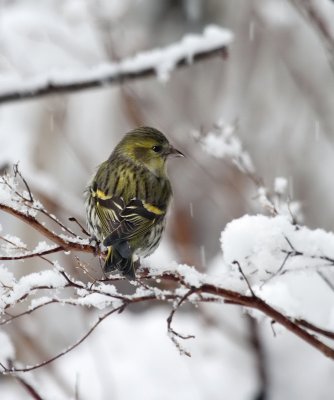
(68, 349)
(172, 333)
(17, 172)
(244, 277)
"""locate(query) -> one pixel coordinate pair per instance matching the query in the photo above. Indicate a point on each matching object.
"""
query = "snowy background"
(257, 128)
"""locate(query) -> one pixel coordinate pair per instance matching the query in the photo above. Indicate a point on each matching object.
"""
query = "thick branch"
(200, 292)
(119, 77)
(256, 303)
(30, 389)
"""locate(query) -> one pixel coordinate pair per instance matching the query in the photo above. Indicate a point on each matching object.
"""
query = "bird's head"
(147, 147)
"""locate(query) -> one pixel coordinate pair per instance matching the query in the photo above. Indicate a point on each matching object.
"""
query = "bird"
(128, 198)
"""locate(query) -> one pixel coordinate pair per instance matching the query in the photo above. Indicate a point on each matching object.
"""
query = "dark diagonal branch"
(113, 78)
(64, 244)
(321, 23)
(29, 388)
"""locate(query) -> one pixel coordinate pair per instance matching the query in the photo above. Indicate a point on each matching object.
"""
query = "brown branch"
(29, 311)
(29, 202)
(30, 389)
(237, 298)
(260, 305)
(32, 255)
(66, 245)
(50, 88)
(314, 328)
(252, 301)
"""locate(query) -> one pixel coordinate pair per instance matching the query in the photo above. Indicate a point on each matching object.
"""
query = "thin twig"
(83, 230)
(70, 348)
(245, 277)
(52, 250)
(172, 333)
(17, 172)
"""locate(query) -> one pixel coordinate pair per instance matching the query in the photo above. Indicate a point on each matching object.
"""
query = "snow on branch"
(266, 262)
(269, 248)
(160, 62)
(223, 142)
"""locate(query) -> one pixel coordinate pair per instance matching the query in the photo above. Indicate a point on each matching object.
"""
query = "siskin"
(128, 198)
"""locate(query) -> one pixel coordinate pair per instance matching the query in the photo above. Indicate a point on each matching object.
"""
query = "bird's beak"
(174, 152)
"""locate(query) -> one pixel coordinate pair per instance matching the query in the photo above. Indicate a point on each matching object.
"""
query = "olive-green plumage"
(128, 198)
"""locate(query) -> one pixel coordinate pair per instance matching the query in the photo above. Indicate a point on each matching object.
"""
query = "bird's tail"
(115, 261)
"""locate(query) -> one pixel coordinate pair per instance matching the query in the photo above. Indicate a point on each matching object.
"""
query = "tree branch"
(116, 76)
(321, 23)
(30, 389)
(192, 288)
(65, 244)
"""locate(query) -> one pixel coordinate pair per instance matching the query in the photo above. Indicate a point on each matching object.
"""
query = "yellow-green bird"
(128, 198)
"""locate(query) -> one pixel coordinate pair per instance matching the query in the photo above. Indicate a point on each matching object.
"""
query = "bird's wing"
(109, 211)
(137, 218)
(122, 222)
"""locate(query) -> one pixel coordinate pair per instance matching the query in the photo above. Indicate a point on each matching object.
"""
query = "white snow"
(162, 60)
(260, 244)
(222, 142)
(43, 246)
(40, 301)
(6, 277)
(281, 262)
(10, 195)
(98, 301)
(280, 185)
(25, 286)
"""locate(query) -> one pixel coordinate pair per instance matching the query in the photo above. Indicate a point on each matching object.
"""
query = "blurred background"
(276, 85)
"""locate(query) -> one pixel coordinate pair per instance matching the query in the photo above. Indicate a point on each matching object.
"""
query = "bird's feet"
(93, 241)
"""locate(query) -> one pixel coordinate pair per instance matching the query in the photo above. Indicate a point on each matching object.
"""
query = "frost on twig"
(223, 142)
(16, 199)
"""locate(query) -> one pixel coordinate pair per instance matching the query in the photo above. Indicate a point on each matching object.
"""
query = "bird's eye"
(157, 149)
